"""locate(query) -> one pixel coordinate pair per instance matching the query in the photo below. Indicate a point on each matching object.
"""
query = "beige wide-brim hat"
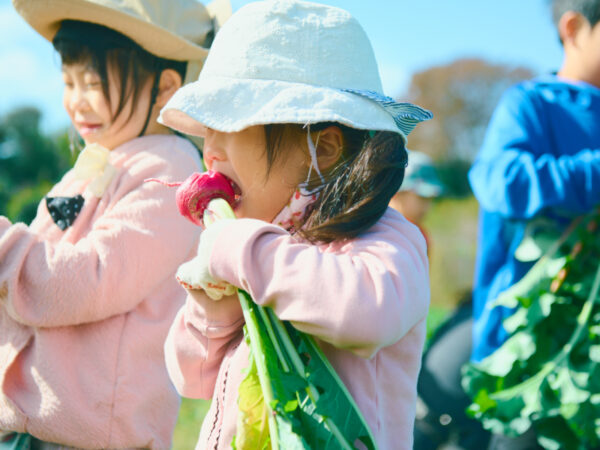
(171, 29)
(288, 61)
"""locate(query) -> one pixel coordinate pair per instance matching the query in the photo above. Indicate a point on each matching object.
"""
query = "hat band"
(405, 115)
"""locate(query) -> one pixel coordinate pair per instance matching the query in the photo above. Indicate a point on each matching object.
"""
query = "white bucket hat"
(287, 61)
(171, 29)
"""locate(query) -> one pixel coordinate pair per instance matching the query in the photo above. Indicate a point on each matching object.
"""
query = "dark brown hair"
(357, 189)
(101, 47)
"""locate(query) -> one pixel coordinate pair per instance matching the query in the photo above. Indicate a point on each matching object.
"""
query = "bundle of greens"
(547, 374)
(291, 397)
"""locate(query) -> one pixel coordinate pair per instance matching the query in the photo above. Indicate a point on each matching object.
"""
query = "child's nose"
(77, 99)
(212, 151)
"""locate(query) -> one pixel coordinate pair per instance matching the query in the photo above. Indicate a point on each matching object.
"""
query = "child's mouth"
(237, 193)
(86, 129)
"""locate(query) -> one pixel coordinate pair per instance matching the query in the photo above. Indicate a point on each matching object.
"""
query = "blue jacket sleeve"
(520, 171)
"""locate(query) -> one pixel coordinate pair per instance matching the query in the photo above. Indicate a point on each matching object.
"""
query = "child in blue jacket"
(539, 165)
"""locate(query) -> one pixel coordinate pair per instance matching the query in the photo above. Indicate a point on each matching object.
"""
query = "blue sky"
(407, 36)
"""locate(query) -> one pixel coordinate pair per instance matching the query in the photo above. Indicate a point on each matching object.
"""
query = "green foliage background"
(30, 163)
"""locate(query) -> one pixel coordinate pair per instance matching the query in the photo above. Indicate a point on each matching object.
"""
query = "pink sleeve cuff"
(231, 248)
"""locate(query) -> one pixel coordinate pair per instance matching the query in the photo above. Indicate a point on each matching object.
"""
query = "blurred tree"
(30, 163)
(453, 175)
(462, 96)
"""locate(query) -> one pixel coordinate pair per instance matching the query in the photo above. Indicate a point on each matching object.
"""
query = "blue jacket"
(540, 158)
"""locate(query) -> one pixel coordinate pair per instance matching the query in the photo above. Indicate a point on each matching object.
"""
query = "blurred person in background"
(420, 186)
(540, 160)
(441, 419)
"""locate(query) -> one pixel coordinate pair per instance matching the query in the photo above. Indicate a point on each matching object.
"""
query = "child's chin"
(240, 213)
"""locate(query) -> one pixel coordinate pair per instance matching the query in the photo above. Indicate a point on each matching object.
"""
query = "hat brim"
(45, 16)
(229, 105)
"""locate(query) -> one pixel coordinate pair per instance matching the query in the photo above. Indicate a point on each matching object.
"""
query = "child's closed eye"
(92, 81)
(67, 81)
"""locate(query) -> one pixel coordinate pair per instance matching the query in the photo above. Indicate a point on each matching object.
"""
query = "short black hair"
(590, 9)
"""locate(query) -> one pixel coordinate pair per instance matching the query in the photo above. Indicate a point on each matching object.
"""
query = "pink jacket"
(365, 300)
(84, 312)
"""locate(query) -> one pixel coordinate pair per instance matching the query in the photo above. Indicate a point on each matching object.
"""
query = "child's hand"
(194, 274)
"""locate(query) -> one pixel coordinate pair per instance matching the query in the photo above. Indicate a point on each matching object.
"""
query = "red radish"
(194, 194)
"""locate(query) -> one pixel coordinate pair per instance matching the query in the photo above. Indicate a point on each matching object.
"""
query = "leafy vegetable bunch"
(547, 374)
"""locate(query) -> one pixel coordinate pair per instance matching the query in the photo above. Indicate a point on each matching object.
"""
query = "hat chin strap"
(312, 150)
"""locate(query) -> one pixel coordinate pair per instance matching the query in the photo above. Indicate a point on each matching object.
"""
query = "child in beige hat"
(87, 290)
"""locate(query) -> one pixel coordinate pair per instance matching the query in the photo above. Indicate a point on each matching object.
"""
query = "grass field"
(188, 425)
(452, 225)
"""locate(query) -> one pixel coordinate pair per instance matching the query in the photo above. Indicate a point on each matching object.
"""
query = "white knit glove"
(194, 274)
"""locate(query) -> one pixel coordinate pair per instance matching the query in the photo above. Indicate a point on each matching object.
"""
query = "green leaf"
(252, 424)
(595, 353)
(566, 391)
(537, 280)
(554, 433)
(334, 402)
(518, 347)
(540, 235)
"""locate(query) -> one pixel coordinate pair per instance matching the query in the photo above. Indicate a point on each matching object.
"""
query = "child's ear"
(569, 25)
(168, 83)
(329, 145)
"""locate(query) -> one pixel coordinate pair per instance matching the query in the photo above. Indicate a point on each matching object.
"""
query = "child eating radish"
(290, 109)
